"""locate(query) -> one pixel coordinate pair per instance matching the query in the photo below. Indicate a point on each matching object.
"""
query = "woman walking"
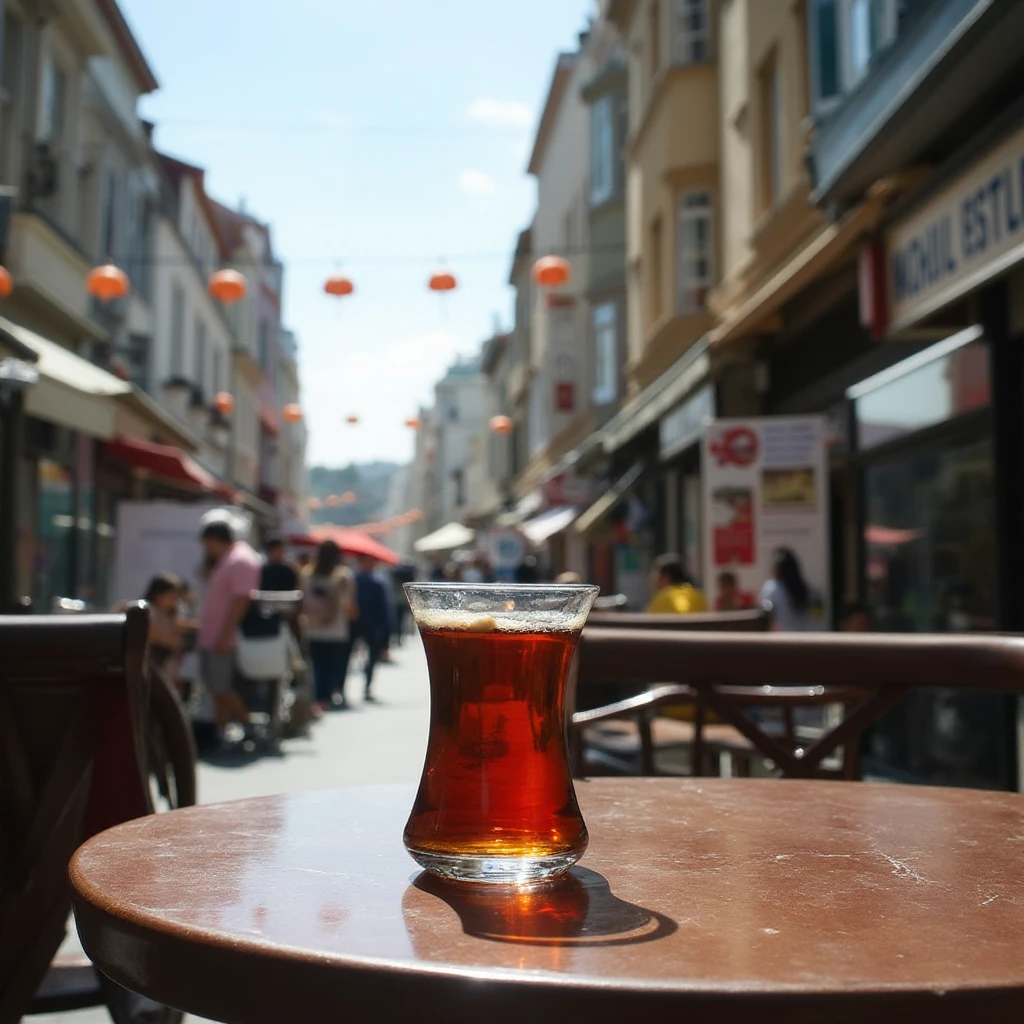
(794, 607)
(330, 609)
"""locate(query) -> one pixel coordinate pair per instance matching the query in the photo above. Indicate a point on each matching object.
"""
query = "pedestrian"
(730, 597)
(373, 626)
(527, 570)
(400, 575)
(163, 595)
(278, 574)
(569, 578)
(234, 573)
(855, 618)
(674, 592)
(330, 607)
(793, 606)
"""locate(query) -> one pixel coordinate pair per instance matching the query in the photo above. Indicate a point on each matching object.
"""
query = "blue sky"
(378, 136)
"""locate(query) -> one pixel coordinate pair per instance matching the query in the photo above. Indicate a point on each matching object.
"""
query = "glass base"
(494, 870)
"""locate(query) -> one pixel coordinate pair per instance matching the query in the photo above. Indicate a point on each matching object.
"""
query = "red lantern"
(348, 498)
(227, 286)
(314, 504)
(224, 403)
(413, 423)
(352, 419)
(6, 283)
(292, 412)
(442, 280)
(107, 283)
(333, 500)
(339, 286)
(552, 271)
(501, 425)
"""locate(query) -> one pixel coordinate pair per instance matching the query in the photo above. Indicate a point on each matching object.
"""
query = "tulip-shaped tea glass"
(496, 801)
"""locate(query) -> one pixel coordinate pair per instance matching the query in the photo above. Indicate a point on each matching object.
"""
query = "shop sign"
(684, 425)
(967, 234)
(765, 484)
(566, 489)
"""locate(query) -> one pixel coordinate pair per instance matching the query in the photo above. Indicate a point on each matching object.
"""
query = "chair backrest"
(752, 621)
(963, 661)
(73, 721)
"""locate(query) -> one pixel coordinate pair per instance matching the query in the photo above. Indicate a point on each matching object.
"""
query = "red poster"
(734, 531)
(565, 396)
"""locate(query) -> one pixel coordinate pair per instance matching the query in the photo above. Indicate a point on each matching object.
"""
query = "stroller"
(267, 661)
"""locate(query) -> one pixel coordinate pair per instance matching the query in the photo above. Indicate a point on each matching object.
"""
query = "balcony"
(924, 90)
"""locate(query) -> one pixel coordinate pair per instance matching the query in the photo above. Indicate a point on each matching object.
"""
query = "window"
(137, 357)
(694, 252)
(605, 324)
(453, 413)
(657, 265)
(10, 91)
(690, 42)
(602, 150)
(459, 479)
(264, 344)
(654, 38)
(200, 373)
(845, 38)
(52, 107)
(108, 239)
(218, 371)
(177, 332)
(772, 143)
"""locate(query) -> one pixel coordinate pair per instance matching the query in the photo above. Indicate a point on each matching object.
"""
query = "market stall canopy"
(355, 542)
(71, 392)
(448, 538)
(168, 464)
(549, 523)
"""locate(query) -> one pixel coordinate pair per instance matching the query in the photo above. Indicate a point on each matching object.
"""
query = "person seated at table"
(730, 597)
(674, 591)
(163, 595)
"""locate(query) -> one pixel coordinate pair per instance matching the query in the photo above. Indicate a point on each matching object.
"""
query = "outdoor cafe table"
(704, 899)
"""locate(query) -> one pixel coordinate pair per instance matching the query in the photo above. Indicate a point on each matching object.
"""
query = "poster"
(765, 487)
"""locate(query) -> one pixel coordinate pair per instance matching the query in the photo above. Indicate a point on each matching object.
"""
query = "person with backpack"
(329, 605)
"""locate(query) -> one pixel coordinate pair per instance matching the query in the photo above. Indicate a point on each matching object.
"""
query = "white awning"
(551, 522)
(448, 538)
(71, 391)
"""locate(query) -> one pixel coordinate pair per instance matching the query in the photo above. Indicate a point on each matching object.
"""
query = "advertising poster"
(765, 487)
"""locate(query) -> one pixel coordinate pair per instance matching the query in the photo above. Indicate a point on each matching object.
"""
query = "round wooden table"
(726, 900)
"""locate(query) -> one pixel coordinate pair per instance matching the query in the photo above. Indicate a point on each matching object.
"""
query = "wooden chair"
(74, 702)
(721, 668)
(623, 735)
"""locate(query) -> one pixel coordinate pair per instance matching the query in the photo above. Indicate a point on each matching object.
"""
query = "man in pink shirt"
(234, 576)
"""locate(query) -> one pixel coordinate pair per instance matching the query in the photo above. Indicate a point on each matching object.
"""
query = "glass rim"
(570, 588)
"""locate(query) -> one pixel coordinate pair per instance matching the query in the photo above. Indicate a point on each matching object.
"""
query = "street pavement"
(370, 743)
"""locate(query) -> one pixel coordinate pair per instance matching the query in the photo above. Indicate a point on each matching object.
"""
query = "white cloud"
(503, 113)
(476, 183)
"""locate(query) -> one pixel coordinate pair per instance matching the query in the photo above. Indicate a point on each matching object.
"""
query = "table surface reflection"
(797, 900)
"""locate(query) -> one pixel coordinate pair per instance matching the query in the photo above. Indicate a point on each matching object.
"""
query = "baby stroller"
(266, 658)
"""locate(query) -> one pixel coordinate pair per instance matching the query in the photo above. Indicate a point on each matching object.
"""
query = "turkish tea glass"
(496, 801)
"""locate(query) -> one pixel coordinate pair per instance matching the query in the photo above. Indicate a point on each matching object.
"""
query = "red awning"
(355, 542)
(169, 464)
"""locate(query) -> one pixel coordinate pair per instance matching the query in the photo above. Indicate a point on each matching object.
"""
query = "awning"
(355, 542)
(448, 538)
(549, 523)
(71, 392)
(609, 499)
(525, 507)
(683, 376)
(168, 464)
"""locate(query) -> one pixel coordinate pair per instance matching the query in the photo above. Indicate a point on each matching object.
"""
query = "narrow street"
(369, 743)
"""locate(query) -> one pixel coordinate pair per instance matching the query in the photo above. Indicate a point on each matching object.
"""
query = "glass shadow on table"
(577, 909)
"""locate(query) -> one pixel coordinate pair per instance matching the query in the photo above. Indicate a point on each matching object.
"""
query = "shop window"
(690, 37)
(54, 533)
(51, 128)
(694, 252)
(945, 381)
(605, 326)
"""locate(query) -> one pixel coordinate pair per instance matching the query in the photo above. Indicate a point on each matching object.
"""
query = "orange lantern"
(227, 286)
(6, 283)
(552, 271)
(314, 504)
(107, 283)
(413, 423)
(501, 425)
(224, 403)
(348, 498)
(333, 500)
(339, 286)
(292, 412)
(352, 419)
(442, 280)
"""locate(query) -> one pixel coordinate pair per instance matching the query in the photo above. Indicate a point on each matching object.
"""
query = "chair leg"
(127, 1007)
(647, 766)
(697, 754)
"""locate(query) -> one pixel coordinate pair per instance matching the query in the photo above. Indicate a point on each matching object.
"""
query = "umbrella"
(355, 542)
